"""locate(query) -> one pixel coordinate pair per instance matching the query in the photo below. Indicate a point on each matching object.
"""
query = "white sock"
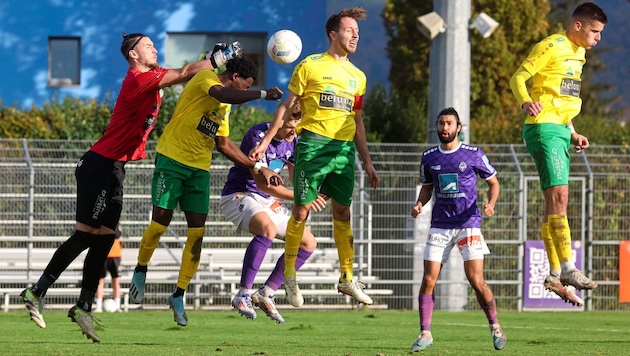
(242, 291)
(117, 300)
(567, 266)
(266, 291)
(99, 303)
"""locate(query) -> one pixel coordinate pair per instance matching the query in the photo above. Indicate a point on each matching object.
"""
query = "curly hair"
(244, 67)
(297, 111)
(334, 21)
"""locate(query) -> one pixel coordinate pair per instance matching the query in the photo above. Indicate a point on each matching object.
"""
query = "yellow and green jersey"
(327, 89)
(555, 64)
(198, 118)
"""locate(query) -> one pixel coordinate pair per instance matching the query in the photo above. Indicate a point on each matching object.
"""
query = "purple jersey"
(278, 154)
(454, 178)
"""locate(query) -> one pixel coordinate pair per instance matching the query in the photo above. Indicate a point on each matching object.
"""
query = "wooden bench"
(220, 267)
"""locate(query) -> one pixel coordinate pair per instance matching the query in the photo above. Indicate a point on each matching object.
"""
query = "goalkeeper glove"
(222, 53)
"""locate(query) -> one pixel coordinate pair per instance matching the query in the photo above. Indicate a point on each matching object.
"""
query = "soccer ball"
(109, 305)
(284, 47)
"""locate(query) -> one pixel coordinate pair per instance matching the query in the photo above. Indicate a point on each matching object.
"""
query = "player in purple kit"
(252, 206)
(450, 170)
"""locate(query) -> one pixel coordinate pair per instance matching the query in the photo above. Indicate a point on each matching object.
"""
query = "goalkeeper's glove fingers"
(223, 53)
(219, 46)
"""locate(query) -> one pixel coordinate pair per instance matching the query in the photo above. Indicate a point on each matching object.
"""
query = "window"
(64, 61)
(184, 47)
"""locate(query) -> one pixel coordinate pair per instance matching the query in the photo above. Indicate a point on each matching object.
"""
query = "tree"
(388, 119)
(495, 116)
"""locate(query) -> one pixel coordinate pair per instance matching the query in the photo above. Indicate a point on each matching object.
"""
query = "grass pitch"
(345, 333)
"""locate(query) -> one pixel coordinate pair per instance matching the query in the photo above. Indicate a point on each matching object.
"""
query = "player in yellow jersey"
(182, 166)
(555, 66)
(330, 90)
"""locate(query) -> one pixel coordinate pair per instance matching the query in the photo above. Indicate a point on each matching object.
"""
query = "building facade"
(72, 47)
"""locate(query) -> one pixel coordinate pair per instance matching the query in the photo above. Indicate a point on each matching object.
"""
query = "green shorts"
(174, 183)
(323, 165)
(548, 144)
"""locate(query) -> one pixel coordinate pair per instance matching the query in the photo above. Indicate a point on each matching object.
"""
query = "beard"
(150, 63)
(448, 139)
(346, 48)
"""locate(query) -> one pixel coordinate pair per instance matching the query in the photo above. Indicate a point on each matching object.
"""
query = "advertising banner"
(535, 296)
(624, 271)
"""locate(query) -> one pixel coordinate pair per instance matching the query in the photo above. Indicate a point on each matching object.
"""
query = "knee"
(478, 283)
(428, 284)
(308, 242)
(558, 196)
(300, 213)
(342, 213)
(269, 231)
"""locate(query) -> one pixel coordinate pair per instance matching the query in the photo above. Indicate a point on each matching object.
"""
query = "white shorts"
(240, 207)
(440, 242)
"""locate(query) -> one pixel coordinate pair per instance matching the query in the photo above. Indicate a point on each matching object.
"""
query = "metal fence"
(37, 205)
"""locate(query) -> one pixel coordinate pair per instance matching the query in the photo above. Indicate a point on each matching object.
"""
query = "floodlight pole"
(449, 86)
(449, 63)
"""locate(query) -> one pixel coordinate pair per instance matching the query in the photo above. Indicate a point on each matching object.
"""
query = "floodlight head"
(431, 25)
(484, 24)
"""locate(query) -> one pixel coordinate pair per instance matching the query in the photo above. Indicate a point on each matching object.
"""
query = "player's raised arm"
(284, 109)
(221, 54)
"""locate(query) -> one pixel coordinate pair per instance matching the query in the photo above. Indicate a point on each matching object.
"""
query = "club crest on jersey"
(462, 166)
(352, 83)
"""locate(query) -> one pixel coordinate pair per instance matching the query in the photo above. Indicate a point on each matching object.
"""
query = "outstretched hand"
(222, 53)
(271, 177)
(580, 141)
(319, 204)
(257, 152)
(274, 94)
(532, 108)
(373, 177)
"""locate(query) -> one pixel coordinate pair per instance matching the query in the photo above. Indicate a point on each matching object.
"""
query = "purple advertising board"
(535, 296)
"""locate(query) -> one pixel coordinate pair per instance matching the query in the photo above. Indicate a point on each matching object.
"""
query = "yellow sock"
(190, 256)
(149, 242)
(552, 255)
(295, 230)
(561, 235)
(342, 232)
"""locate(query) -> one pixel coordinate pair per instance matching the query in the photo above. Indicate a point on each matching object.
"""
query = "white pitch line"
(533, 327)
